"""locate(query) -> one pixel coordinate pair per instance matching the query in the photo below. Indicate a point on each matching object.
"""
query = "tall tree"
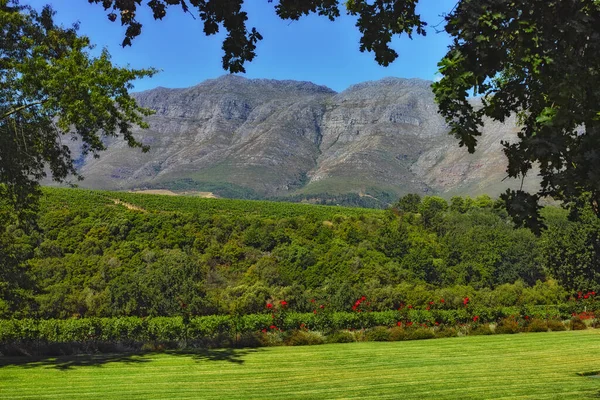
(539, 60)
(50, 86)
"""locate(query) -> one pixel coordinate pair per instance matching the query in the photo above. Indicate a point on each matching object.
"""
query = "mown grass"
(534, 365)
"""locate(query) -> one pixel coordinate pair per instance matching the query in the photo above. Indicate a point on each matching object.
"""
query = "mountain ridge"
(270, 138)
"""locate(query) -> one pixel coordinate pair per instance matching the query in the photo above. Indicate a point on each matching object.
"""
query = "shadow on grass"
(235, 356)
(72, 361)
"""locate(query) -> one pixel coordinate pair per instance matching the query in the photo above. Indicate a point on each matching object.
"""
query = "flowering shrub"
(277, 325)
(278, 313)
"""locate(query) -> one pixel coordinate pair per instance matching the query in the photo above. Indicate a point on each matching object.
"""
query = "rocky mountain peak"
(291, 138)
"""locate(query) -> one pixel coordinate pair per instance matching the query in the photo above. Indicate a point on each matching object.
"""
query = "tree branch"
(20, 108)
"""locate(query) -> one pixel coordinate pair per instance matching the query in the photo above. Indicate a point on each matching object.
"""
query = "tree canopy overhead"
(378, 21)
(539, 60)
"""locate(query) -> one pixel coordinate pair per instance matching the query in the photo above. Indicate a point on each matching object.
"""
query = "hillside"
(100, 253)
(265, 138)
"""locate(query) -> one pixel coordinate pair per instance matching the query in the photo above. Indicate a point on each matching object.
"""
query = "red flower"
(410, 306)
(363, 298)
(587, 296)
(476, 318)
(466, 301)
(312, 300)
(314, 311)
(273, 327)
(399, 323)
(264, 330)
(321, 306)
(527, 317)
(409, 323)
(437, 323)
(428, 308)
(353, 308)
(431, 303)
(442, 301)
(283, 303)
(269, 305)
(593, 293)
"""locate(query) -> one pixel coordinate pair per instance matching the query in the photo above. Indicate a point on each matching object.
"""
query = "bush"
(419, 334)
(268, 339)
(481, 330)
(397, 333)
(446, 332)
(556, 325)
(341, 337)
(248, 339)
(537, 325)
(378, 334)
(303, 338)
(576, 324)
(508, 325)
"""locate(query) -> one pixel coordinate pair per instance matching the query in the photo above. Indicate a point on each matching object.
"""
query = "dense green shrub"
(445, 332)
(481, 329)
(378, 334)
(419, 334)
(556, 325)
(537, 325)
(576, 324)
(341, 337)
(248, 339)
(397, 333)
(508, 325)
(303, 338)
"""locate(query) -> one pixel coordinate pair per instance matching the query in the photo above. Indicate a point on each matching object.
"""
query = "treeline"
(378, 200)
(103, 254)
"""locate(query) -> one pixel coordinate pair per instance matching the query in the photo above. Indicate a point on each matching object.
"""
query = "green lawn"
(534, 365)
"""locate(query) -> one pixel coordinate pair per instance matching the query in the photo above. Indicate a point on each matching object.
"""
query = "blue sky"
(312, 49)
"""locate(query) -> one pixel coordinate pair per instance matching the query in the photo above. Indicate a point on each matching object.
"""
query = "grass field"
(534, 365)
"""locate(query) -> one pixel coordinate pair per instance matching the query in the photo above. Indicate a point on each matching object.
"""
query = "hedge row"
(166, 329)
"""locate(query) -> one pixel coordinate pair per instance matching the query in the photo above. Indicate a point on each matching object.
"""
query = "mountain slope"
(269, 138)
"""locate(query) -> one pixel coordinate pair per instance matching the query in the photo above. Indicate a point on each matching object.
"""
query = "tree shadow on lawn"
(235, 356)
(95, 360)
(71, 361)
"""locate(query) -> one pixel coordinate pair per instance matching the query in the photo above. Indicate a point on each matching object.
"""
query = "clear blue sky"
(312, 49)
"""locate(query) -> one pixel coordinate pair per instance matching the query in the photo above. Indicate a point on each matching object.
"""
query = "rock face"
(280, 138)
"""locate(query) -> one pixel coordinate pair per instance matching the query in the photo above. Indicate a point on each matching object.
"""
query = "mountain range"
(258, 138)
